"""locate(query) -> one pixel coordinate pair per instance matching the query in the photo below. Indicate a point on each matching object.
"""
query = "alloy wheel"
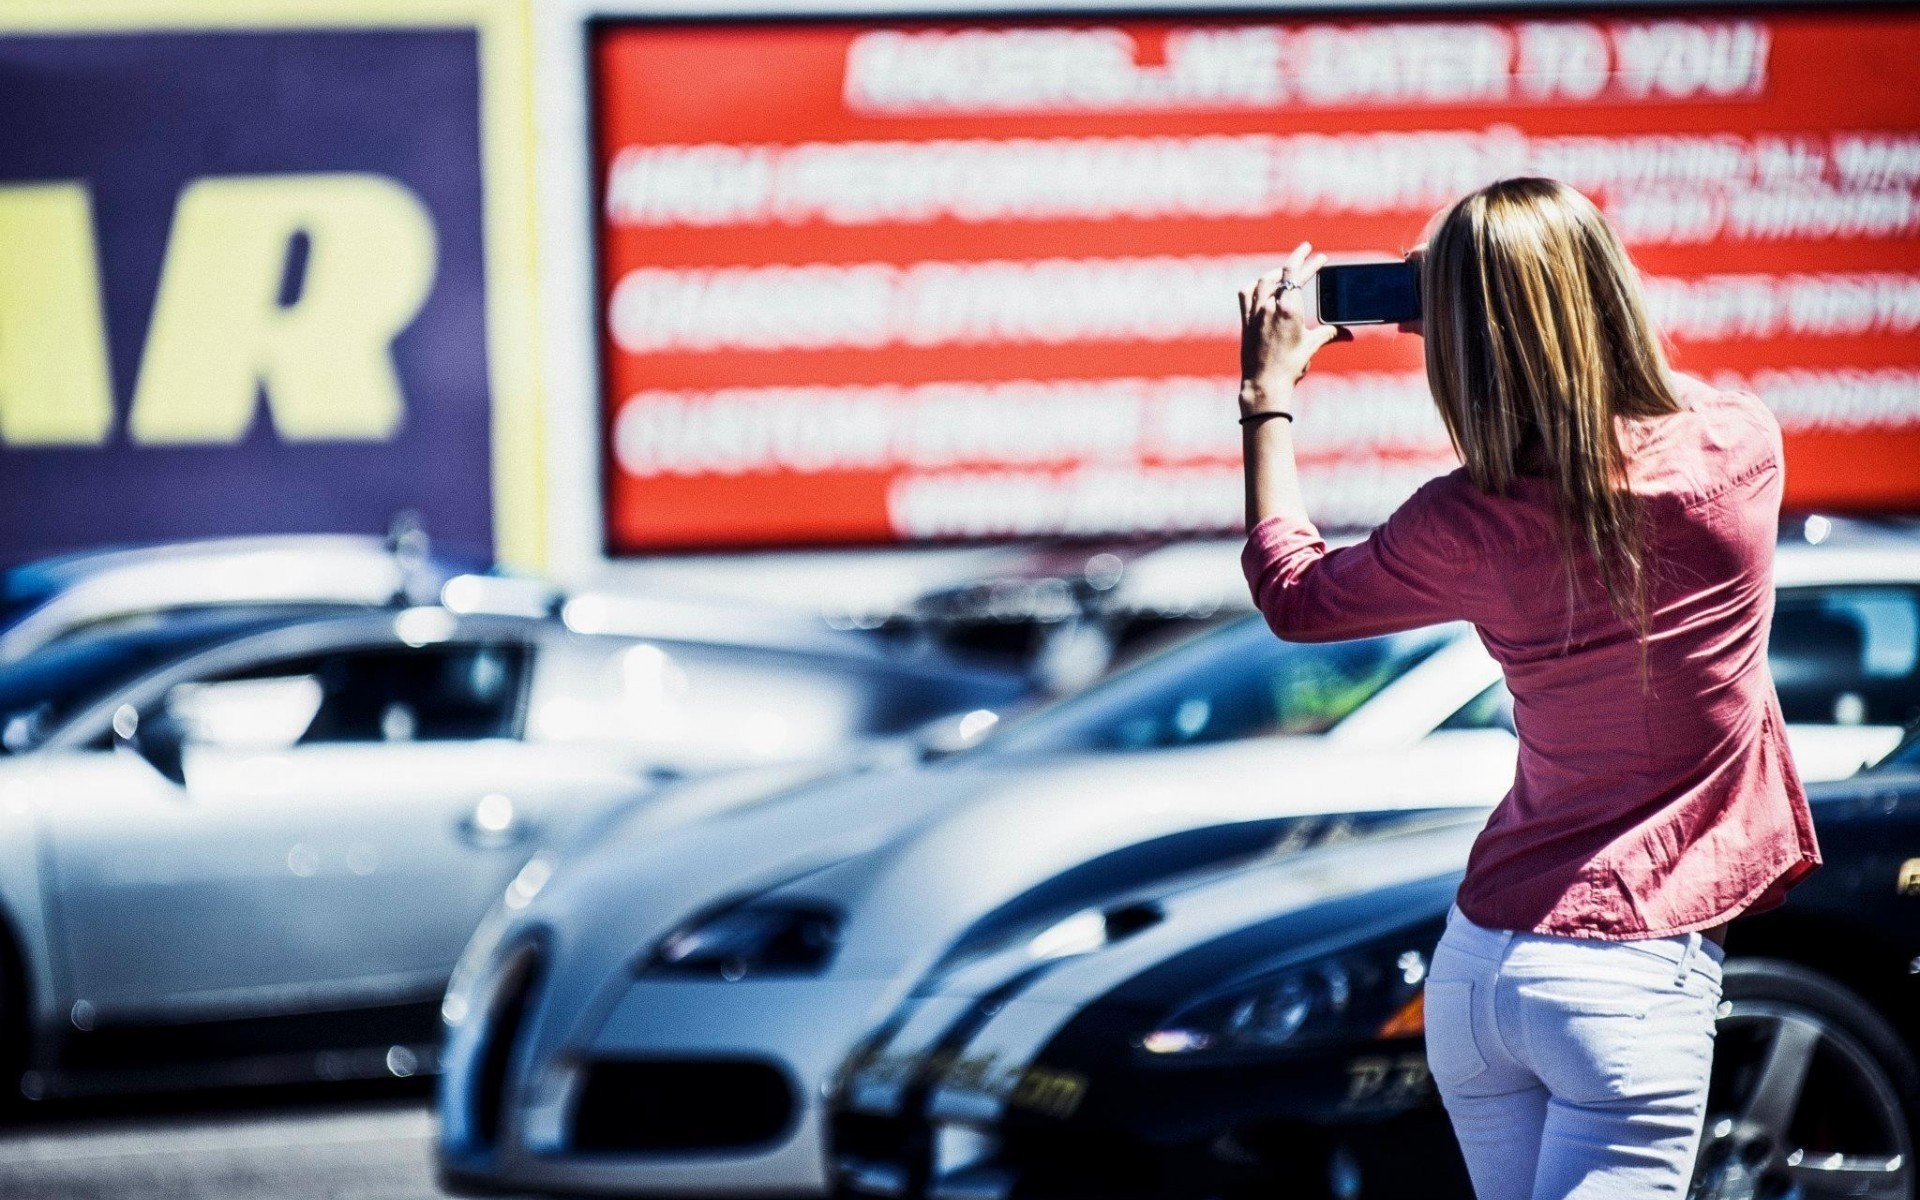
(1800, 1109)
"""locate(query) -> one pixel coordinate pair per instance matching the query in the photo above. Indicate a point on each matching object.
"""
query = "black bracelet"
(1252, 419)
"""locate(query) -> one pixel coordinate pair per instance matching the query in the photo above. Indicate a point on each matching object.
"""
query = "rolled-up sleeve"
(1405, 574)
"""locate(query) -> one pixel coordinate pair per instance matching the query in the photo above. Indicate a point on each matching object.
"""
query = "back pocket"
(1587, 1037)
(1453, 1056)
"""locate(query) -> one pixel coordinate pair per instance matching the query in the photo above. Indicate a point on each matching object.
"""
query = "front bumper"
(1086, 1118)
(686, 1088)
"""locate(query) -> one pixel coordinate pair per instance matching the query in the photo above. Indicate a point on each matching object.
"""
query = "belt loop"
(1686, 958)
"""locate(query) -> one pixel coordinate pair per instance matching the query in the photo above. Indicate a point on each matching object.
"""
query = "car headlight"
(750, 939)
(1365, 995)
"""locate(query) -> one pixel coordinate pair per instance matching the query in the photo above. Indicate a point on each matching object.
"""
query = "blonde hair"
(1537, 338)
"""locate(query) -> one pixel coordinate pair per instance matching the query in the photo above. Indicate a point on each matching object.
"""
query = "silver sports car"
(242, 844)
(661, 1018)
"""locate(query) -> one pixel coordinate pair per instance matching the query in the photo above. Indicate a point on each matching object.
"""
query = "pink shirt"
(1631, 814)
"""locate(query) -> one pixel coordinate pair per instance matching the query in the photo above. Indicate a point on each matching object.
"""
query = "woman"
(1611, 537)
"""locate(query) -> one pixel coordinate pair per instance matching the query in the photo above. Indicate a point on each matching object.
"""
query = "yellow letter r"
(222, 331)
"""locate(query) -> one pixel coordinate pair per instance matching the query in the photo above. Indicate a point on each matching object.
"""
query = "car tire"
(13, 1027)
(1813, 1093)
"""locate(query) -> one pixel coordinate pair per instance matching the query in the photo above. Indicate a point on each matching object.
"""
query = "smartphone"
(1368, 293)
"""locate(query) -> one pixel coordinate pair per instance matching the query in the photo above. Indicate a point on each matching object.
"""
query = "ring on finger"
(1287, 285)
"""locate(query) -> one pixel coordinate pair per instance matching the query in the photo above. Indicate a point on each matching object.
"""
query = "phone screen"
(1368, 293)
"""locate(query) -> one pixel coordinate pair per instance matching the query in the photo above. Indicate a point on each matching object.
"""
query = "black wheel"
(1813, 1094)
(13, 1028)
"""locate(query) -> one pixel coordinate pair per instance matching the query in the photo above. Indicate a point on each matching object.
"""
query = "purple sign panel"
(241, 287)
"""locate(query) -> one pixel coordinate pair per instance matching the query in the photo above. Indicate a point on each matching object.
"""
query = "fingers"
(1265, 288)
(1293, 301)
(1332, 333)
(1243, 306)
(1268, 285)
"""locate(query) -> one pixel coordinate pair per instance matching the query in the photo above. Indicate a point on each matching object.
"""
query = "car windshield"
(1905, 756)
(21, 591)
(42, 691)
(1237, 682)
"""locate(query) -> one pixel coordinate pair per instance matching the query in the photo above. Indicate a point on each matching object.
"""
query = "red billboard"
(913, 282)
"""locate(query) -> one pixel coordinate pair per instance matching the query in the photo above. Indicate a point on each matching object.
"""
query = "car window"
(1491, 709)
(447, 692)
(1847, 655)
(12, 608)
(1840, 656)
(698, 706)
(22, 590)
(692, 706)
(42, 691)
(246, 714)
(1238, 682)
(1906, 756)
(900, 701)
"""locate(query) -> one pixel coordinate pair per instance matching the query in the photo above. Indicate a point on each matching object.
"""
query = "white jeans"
(1572, 1069)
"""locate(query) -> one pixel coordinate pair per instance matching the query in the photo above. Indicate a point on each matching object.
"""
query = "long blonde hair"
(1537, 338)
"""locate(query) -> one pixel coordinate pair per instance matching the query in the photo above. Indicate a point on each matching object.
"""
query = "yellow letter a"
(54, 381)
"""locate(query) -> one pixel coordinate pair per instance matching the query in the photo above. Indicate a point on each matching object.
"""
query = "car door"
(341, 827)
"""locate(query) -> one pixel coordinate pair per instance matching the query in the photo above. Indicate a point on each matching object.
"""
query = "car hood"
(1245, 922)
(1210, 931)
(705, 843)
(912, 857)
(906, 900)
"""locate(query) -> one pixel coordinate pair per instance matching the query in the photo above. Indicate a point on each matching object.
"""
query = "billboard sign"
(947, 281)
(244, 280)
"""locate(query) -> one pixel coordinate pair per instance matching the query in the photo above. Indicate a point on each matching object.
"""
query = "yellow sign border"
(518, 425)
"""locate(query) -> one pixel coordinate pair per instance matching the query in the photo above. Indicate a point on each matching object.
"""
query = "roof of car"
(1203, 576)
(185, 629)
(50, 574)
(47, 600)
(616, 614)
(1824, 550)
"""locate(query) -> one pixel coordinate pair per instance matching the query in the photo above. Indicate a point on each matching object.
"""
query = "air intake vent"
(512, 1001)
(672, 1106)
(1130, 919)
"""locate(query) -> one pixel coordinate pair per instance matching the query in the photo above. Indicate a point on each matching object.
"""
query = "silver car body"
(320, 856)
(950, 844)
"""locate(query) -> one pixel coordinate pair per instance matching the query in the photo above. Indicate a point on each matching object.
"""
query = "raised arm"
(1407, 573)
(1276, 346)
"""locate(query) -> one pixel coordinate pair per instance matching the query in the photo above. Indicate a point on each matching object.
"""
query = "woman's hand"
(1276, 343)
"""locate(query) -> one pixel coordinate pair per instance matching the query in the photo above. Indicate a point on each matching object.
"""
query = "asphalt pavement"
(376, 1150)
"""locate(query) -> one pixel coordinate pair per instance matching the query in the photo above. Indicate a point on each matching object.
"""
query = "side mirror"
(955, 732)
(158, 737)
